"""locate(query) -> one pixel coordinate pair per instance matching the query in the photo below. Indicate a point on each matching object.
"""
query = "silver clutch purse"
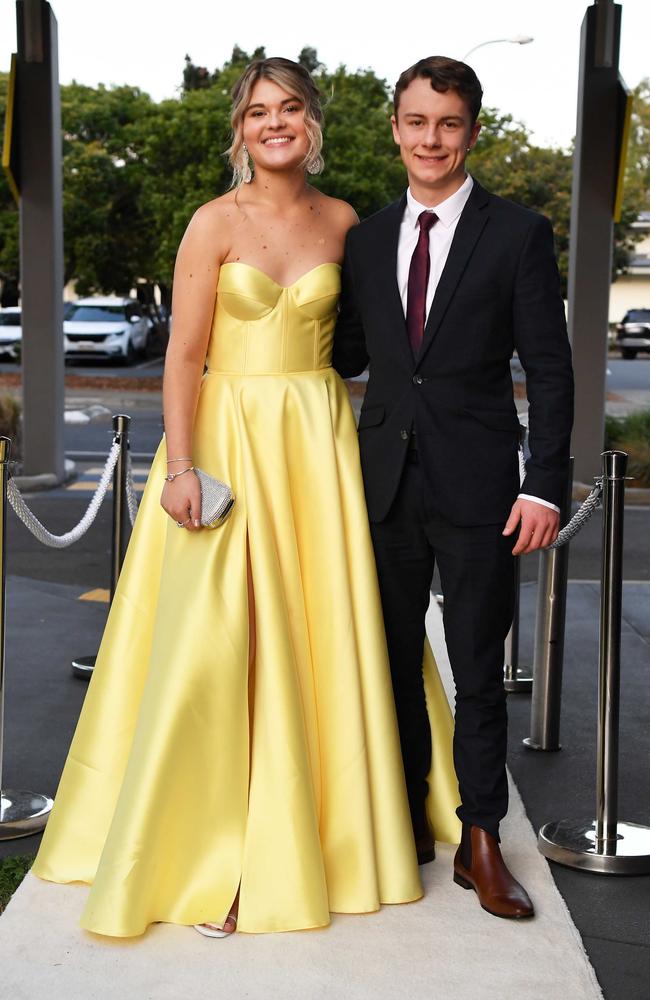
(217, 499)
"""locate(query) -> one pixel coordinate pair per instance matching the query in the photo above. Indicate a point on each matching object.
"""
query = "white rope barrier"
(131, 500)
(39, 530)
(581, 516)
(22, 511)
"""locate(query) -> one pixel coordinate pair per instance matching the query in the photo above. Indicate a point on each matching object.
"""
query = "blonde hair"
(293, 78)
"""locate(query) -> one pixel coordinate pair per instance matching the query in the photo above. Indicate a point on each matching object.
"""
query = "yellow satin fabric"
(178, 785)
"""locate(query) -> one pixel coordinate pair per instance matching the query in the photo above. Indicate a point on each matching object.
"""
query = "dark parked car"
(633, 332)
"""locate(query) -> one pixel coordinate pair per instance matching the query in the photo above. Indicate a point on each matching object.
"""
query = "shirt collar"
(447, 211)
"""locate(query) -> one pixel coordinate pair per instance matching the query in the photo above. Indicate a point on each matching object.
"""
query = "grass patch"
(12, 871)
(632, 435)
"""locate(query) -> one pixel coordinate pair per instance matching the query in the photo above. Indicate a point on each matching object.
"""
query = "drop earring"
(315, 164)
(246, 173)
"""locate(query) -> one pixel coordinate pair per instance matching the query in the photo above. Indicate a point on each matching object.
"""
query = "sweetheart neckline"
(242, 263)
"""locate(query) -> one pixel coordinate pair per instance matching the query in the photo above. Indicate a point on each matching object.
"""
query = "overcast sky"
(143, 42)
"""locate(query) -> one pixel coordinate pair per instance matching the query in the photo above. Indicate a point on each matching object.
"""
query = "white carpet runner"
(443, 947)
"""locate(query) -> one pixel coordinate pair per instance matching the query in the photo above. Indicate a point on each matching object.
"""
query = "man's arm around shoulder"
(349, 354)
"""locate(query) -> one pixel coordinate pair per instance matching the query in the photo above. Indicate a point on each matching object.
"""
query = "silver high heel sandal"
(214, 931)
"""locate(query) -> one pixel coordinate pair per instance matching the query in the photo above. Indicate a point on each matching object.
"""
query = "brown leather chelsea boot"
(478, 865)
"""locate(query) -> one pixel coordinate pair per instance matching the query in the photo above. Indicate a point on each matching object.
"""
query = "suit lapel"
(470, 226)
(385, 253)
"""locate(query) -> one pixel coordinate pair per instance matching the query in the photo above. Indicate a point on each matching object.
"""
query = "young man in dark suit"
(439, 289)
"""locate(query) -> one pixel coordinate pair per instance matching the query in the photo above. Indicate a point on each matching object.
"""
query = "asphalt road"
(620, 374)
(628, 374)
(87, 562)
(145, 431)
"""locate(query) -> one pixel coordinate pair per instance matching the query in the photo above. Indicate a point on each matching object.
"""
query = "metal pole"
(83, 666)
(516, 679)
(609, 668)
(605, 846)
(21, 813)
(120, 529)
(5, 453)
(595, 167)
(38, 114)
(548, 659)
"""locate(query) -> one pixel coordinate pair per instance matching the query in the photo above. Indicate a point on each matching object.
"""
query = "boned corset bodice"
(260, 327)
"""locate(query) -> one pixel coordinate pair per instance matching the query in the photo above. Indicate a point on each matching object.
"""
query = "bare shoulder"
(341, 214)
(210, 228)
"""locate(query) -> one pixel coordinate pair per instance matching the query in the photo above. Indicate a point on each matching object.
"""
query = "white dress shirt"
(440, 237)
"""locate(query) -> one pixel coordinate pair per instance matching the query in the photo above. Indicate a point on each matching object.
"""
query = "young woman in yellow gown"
(237, 748)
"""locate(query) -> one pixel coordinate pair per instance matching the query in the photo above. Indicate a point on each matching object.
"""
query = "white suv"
(11, 334)
(105, 328)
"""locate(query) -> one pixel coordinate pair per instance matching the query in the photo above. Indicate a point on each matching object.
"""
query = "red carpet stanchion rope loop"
(39, 530)
(581, 516)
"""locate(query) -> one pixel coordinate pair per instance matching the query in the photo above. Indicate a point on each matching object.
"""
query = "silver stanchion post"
(516, 679)
(21, 813)
(548, 659)
(83, 666)
(605, 846)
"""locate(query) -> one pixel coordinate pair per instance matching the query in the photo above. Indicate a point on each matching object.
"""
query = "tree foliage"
(135, 170)
(9, 247)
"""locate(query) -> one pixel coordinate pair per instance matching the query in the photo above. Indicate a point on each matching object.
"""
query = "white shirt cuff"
(544, 503)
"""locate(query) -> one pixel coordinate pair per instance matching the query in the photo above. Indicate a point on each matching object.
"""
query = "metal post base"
(532, 745)
(573, 843)
(83, 666)
(518, 681)
(23, 813)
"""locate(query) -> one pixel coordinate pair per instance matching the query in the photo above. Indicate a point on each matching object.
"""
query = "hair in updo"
(293, 78)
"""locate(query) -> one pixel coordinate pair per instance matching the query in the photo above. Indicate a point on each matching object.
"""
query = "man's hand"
(539, 526)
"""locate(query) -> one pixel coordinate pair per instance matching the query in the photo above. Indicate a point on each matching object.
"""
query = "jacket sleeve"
(349, 355)
(541, 340)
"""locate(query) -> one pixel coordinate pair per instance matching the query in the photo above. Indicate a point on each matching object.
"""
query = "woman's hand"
(181, 499)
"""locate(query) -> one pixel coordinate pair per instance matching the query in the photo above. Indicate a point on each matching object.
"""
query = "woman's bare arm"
(196, 273)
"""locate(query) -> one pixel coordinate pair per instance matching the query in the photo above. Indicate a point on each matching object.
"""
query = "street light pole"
(516, 40)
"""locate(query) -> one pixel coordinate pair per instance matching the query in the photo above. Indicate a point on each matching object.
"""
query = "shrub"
(632, 435)
(12, 871)
(11, 422)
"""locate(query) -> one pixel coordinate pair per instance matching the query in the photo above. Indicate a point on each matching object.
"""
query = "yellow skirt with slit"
(183, 781)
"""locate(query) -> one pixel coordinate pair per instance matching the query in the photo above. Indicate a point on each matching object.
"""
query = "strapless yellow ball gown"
(189, 775)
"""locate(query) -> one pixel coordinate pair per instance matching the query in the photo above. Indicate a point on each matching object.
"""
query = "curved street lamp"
(516, 40)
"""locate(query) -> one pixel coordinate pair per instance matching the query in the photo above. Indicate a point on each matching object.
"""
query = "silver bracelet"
(171, 476)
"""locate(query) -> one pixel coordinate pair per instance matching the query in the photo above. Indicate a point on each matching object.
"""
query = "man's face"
(433, 131)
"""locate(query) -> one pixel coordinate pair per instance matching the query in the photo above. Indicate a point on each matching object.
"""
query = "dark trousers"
(476, 572)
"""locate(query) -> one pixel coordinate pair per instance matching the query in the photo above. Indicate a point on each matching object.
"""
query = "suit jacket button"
(404, 434)
(418, 380)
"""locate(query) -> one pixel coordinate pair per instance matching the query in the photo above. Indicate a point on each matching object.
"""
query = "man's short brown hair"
(445, 74)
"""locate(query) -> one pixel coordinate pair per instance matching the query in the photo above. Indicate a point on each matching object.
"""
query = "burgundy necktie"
(416, 299)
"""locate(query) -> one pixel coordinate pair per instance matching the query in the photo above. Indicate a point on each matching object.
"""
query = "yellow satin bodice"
(263, 328)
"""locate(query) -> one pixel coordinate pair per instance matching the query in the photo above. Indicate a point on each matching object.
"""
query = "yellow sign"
(10, 145)
(625, 102)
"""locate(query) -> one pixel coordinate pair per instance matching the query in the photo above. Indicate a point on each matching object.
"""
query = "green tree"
(309, 59)
(135, 171)
(362, 163)
(636, 191)
(506, 162)
(180, 158)
(9, 245)
(107, 241)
